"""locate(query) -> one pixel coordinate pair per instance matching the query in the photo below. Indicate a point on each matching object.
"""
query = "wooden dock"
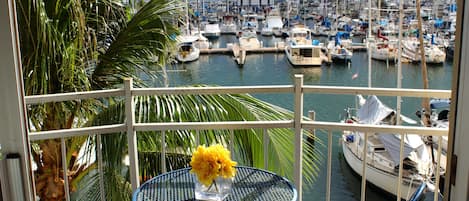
(239, 54)
(230, 50)
(358, 47)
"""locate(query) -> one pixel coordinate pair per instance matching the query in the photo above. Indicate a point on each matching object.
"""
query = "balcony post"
(364, 157)
(298, 118)
(131, 134)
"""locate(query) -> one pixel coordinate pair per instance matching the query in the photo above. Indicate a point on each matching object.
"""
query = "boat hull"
(298, 60)
(384, 54)
(191, 56)
(380, 178)
(249, 43)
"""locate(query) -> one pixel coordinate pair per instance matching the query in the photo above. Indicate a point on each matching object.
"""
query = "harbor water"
(274, 69)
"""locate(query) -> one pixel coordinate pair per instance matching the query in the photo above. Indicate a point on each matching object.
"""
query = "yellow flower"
(210, 162)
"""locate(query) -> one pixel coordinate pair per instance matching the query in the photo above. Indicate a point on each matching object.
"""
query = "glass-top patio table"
(249, 184)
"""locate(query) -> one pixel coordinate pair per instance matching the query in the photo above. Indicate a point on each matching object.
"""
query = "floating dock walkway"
(239, 54)
(230, 50)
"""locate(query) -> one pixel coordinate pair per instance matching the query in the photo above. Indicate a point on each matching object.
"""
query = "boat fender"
(418, 194)
(350, 138)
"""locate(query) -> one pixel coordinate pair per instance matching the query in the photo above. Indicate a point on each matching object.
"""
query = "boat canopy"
(439, 103)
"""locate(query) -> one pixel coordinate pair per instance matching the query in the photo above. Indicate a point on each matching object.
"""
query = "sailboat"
(383, 155)
(383, 152)
(338, 51)
(382, 48)
(433, 54)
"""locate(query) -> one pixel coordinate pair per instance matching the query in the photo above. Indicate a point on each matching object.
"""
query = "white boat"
(383, 151)
(273, 22)
(202, 42)
(300, 49)
(382, 48)
(212, 30)
(267, 31)
(383, 51)
(338, 50)
(278, 31)
(228, 25)
(186, 50)
(248, 40)
(250, 22)
(433, 54)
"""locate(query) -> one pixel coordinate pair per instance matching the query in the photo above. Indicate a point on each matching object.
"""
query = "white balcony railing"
(297, 123)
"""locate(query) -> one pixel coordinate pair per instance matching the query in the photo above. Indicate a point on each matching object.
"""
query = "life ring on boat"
(349, 121)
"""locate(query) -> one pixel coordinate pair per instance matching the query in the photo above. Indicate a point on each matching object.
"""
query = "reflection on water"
(310, 75)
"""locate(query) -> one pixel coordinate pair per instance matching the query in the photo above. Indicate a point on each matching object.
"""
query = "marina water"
(274, 69)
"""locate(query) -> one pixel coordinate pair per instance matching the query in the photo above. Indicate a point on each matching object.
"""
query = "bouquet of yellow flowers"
(208, 163)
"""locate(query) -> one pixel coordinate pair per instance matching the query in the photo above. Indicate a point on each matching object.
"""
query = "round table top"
(249, 184)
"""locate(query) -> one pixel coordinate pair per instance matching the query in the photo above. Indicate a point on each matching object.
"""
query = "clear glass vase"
(218, 190)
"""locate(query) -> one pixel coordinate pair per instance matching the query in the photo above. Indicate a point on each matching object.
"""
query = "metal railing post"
(437, 171)
(365, 156)
(265, 136)
(298, 112)
(231, 143)
(99, 156)
(329, 165)
(197, 138)
(163, 152)
(401, 164)
(63, 148)
(131, 134)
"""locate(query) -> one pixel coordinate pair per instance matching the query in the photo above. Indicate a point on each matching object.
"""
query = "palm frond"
(206, 108)
(141, 46)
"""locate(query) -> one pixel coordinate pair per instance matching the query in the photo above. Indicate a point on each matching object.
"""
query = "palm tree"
(80, 45)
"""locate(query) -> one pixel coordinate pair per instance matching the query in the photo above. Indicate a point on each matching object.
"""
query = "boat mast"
(336, 16)
(399, 62)
(304, 12)
(187, 19)
(425, 101)
(368, 43)
(379, 12)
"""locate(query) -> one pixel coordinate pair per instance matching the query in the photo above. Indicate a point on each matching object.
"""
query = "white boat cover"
(373, 111)
(392, 145)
